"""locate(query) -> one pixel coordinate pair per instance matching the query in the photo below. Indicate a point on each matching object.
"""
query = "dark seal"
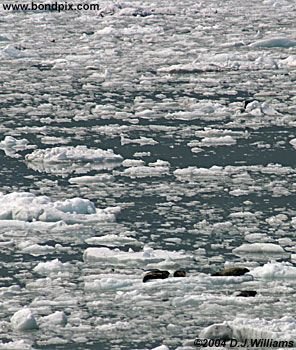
(232, 271)
(155, 275)
(180, 273)
(246, 293)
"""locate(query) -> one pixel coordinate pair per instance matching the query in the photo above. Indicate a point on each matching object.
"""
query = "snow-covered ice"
(24, 320)
(25, 206)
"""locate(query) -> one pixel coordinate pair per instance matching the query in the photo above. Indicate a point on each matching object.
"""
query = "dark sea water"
(150, 82)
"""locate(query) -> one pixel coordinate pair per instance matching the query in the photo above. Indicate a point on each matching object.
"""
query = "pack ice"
(25, 206)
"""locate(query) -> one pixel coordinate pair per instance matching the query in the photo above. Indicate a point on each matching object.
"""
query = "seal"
(246, 293)
(180, 273)
(155, 275)
(232, 271)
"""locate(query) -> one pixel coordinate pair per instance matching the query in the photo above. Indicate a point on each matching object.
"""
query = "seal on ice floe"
(232, 271)
(246, 293)
(155, 275)
(180, 273)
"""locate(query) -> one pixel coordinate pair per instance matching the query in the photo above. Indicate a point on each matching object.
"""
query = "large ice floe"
(66, 159)
(275, 271)
(132, 258)
(259, 251)
(27, 207)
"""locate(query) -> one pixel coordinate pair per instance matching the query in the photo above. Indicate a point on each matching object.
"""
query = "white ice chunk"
(25, 206)
(217, 331)
(218, 141)
(154, 169)
(275, 270)
(11, 146)
(96, 179)
(116, 256)
(23, 320)
(132, 162)
(259, 248)
(48, 267)
(58, 318)
(293, 142)
(112, 240)
(140, 141)
(66, 154)
(16, 345)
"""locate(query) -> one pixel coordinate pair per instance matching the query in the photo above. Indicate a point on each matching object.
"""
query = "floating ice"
(52, 140)
(293, 142)
(58, 318)
(13, 51)
(274, 42)
(205, 110)
(147, 255)
(25, 206)
(161, 347)
(49, 267)
(16, 345)
(65, 154)
(258, 248)
(36, 249)
(141, 141)
(217, 331)
(112, 240)
(277, 220)
(23, 320)
(96, 179)
(11, 146)
(242, 329)
(108, 283)
(256, 108)
(132, 162)
(218, 141)
(275, 270)
(158, 168)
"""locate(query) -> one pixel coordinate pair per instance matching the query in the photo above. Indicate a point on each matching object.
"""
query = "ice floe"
(161, 347)
(256, 108)
(89, 180)
(146, 256)
(67, 159)
(141, 141)
(274, 42)
(261, 251)
(25, 206)
(112, 240)
(243, 328)
(49, 267)
(217, 141)
(275, 270)
(11, 146)
(35, 249)
(24, 320)
(66, 154)
(259, 248)
(158, 168)
(16, 345)
(56, 319)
